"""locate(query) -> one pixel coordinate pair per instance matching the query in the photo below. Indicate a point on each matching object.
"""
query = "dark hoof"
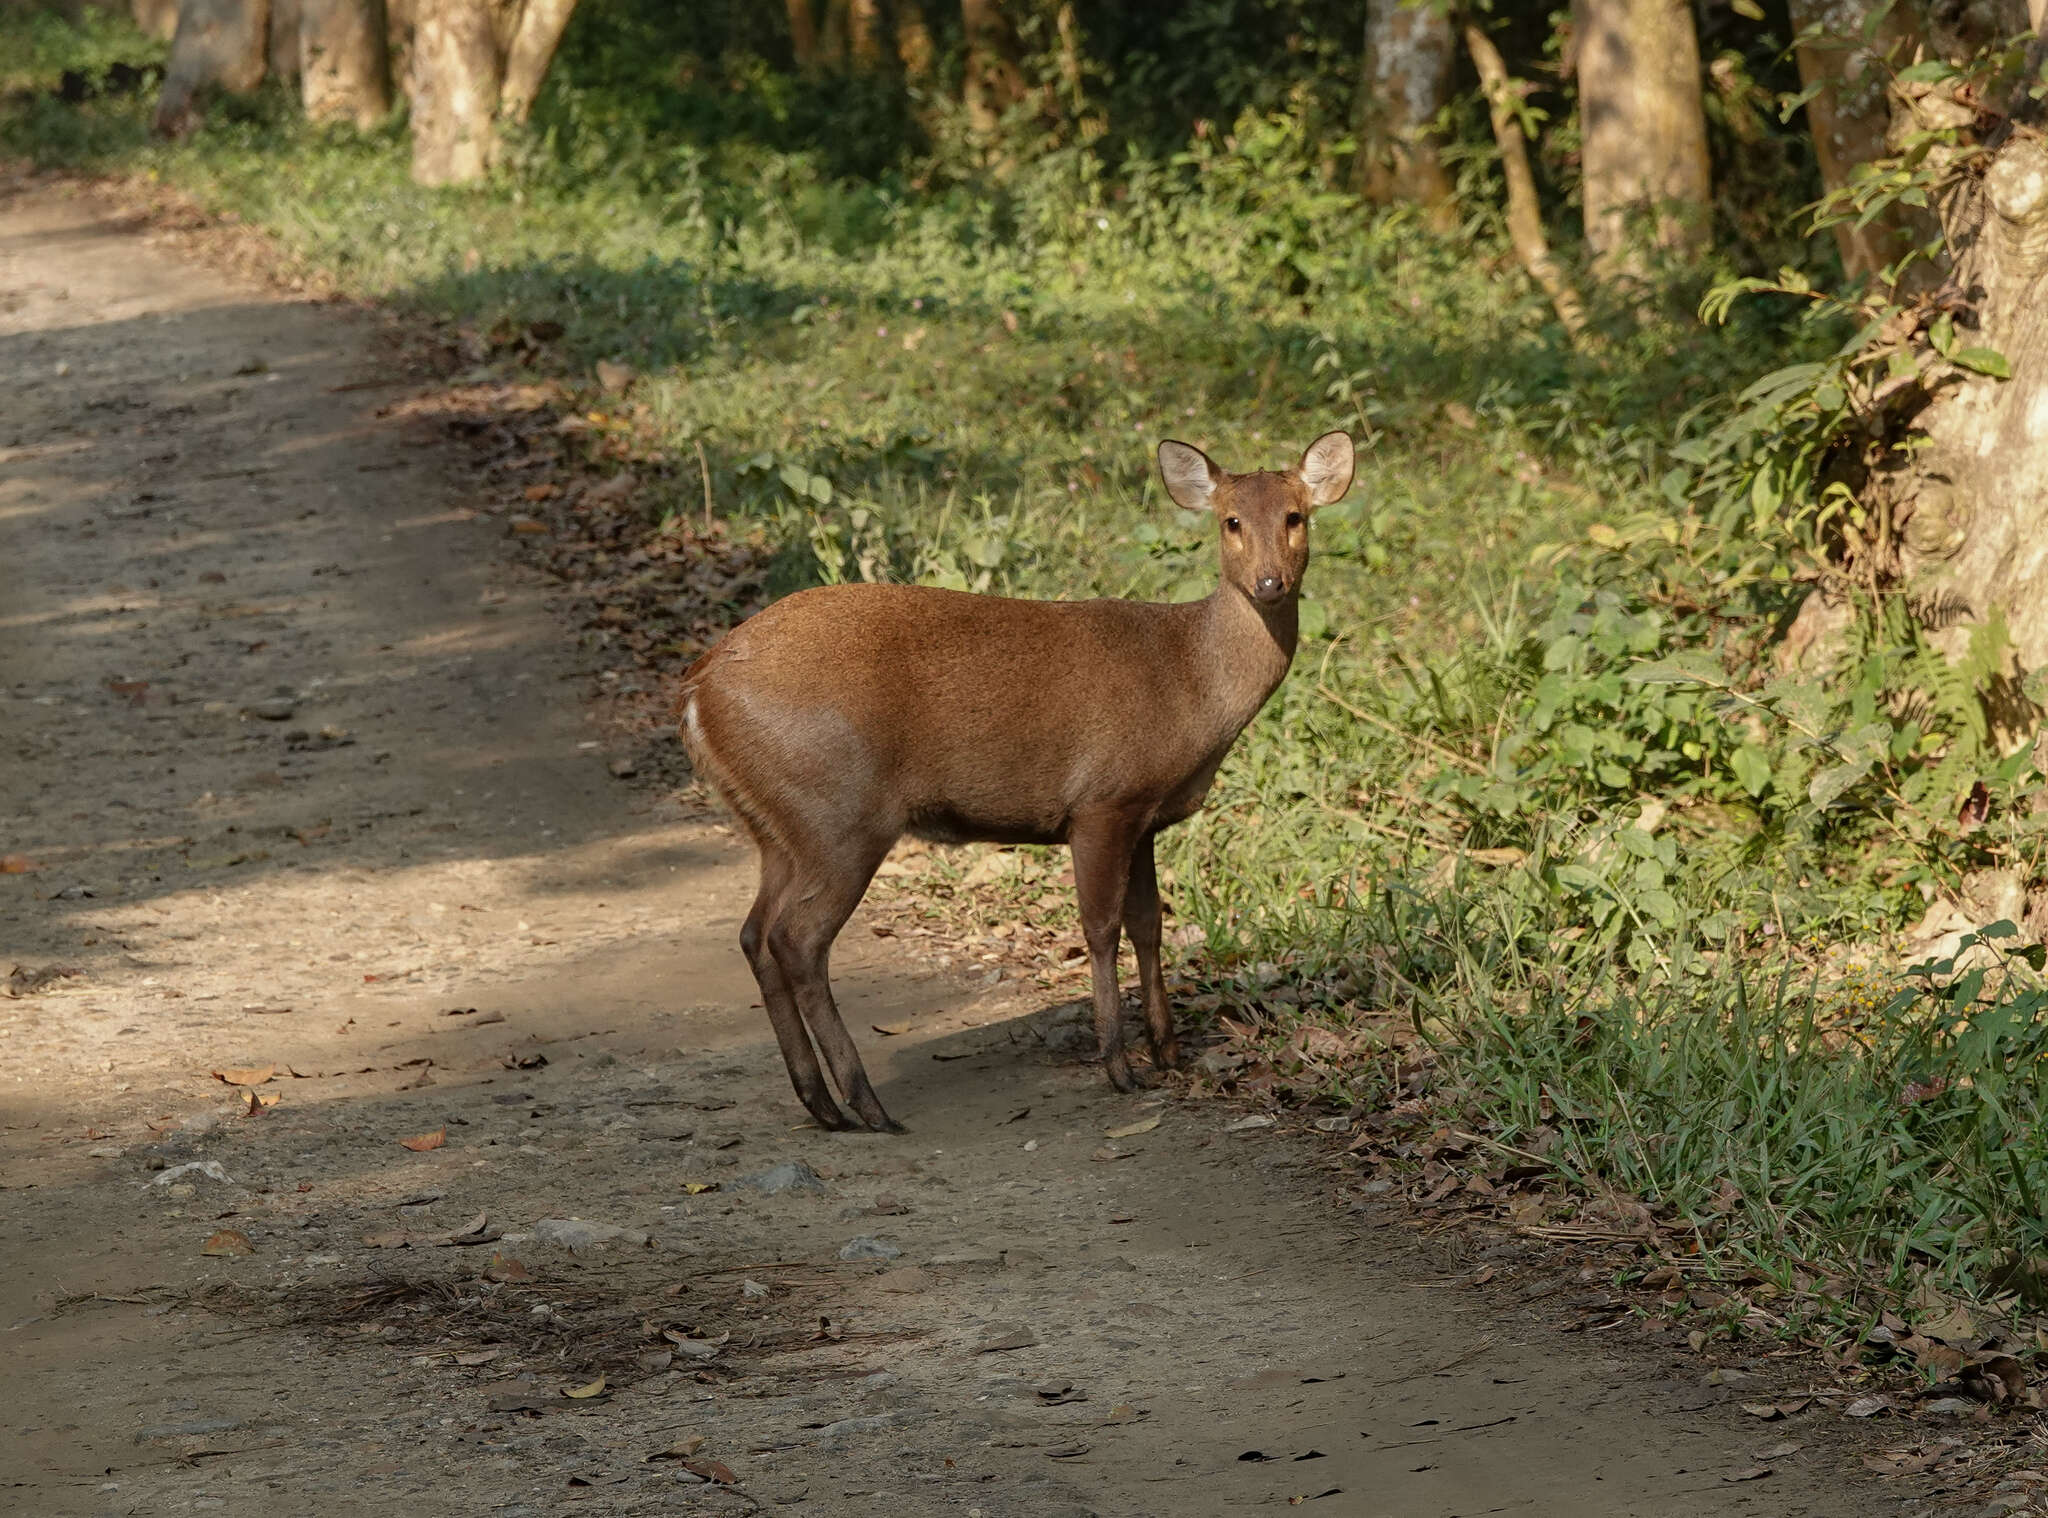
(830, 1118)
(1121, 1076)
(888, 1124)
(1168, 1058)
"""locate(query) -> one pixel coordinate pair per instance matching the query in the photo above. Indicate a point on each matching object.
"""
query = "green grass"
(965, 386)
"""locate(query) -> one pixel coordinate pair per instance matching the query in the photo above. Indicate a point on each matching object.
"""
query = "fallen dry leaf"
(712, 1470)
(228, 1241)
(682, 1449)
(259, 1101)
(503, 1267)
(590, 1389)
(1865, 1407)
(1747, 1473)
(420, 1143)
(477, 1356)
(16, 864)
(1132, 1130)
(698, 1188)
(891, 1030)
(255, 1075)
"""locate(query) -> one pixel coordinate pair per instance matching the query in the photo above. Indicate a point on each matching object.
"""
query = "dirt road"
(293, 768)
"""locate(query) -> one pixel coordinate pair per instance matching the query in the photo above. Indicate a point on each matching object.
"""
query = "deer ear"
(1189, 474)
(1326, 468)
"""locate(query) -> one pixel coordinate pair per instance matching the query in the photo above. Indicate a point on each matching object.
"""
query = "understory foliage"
(1547, 786)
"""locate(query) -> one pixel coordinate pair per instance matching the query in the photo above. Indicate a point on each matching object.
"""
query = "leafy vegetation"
(1549, 788)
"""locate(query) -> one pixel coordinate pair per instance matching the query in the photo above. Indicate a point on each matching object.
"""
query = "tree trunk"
(1643, 130)
(532, 49)
(1525, 213)
(914, 49)
(219, 43)
(832, 35)
(866, 44)
(993, 81)
(283, 47)
(1976, 540)
(344, 73)
(1853, 112)
(453, 83)
(803, 34)
(159, 18)
(1405, 81)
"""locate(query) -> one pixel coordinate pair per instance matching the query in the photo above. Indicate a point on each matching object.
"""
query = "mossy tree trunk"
(1974, 540)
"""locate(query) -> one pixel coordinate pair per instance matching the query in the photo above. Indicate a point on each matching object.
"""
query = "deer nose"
(1269, 588)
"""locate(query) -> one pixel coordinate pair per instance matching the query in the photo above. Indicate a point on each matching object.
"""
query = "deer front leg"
(1102, 847)
(1142, 923)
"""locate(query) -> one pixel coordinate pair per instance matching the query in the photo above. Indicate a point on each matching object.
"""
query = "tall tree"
(219, 44)
(535, 33)
(867, 45)
(993, 82)
(1847, 52)
(914, 48)
(472, 64)
(344, 73)
(1643, 131)
(1404, 83)
(453, 85)
(283, 48)
(159, 18)
(803, 34)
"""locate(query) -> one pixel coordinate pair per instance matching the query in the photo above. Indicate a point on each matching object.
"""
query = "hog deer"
(841, 718)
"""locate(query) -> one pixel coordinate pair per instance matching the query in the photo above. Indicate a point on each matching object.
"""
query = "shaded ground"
(292, 766)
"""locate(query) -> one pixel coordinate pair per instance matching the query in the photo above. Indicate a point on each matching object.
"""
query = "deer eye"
(1293, 519)
(1231, 523)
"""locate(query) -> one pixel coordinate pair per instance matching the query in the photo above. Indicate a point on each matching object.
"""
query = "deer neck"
(1248, 648)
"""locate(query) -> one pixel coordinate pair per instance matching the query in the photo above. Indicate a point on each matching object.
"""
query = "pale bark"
(532, 49)
(1405, 81)
(453, 83)
(159, 18)
(803, 34)
(1524, 212)
(283, 47)
(344, 72)
(219, 44)
(1643, 131)
(1854, 111)
(1976, 536)
(993, 81)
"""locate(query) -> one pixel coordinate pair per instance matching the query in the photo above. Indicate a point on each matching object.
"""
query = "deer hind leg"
(827, 885)
(1102, 846)
(797, 1054)
(1142, 923)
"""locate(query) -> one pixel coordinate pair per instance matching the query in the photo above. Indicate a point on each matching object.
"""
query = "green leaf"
(1984, 360)
(1661, 905)
(819, 489)
(1752, 768)
(1314, 617)
(1942, 334)
(1577, 877)
(1931, 71)
(1830, 785)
